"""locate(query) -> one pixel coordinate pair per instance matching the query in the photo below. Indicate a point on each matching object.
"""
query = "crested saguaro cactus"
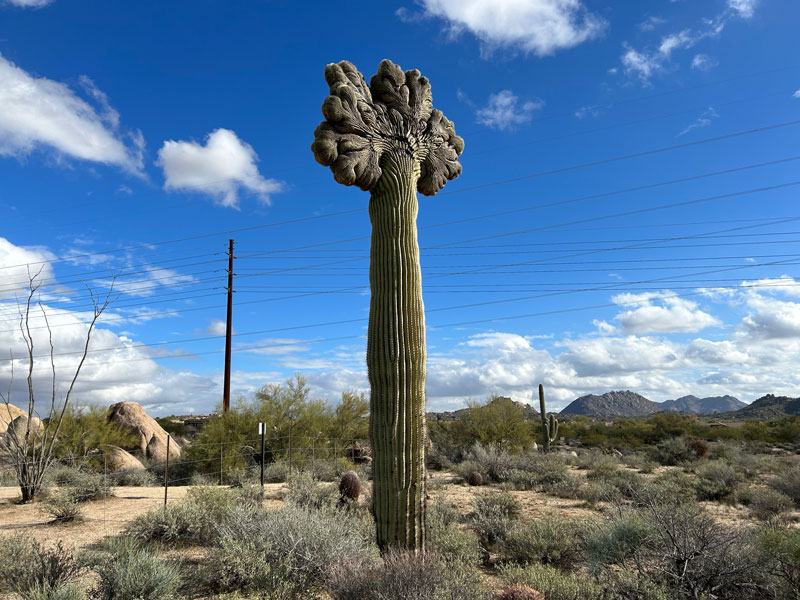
(549, 423)
(386, 138)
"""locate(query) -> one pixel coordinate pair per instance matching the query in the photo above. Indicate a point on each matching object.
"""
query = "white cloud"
(618, 355)
(587, 111)
(641, 64)
(538, 26)
(771, 319)
(30, 3)
(714, 353)
(650, 23)
(672, 315)
(703, 120)
(504, 111)
(38, 113)
(217, 327)
(796, 94)
(703, 62)
(745, 8)
(219, 169)
(604, 327)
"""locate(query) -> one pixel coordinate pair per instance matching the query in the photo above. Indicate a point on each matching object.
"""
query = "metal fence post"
(166, 472)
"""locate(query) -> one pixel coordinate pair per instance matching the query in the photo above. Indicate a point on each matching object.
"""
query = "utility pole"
(226, 393)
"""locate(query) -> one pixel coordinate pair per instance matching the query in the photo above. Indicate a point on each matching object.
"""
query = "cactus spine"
(549, 423)
(387, 138)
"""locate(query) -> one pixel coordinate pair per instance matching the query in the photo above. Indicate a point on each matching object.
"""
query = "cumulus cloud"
(39, 113)
(703, 120)
(220, 168)
(703, 62)
(29, 3)
(771, 318)
(744, 8)
(505, 111)
(714, 353)
(19, 264)
(660, 312)
(541, 27)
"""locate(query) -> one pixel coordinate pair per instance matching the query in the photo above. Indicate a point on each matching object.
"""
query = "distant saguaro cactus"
(549, 423)
(386, 138)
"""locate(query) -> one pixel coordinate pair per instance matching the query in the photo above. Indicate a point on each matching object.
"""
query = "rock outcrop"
(118, 459)
(152, 437)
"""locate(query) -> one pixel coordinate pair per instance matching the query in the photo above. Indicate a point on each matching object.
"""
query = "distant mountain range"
(766, 408)
(631, 404)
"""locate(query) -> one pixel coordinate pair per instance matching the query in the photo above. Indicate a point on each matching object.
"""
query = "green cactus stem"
(387, 139)
(549, 423)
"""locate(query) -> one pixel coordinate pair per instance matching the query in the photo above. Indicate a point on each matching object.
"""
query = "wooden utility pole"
(226, 392)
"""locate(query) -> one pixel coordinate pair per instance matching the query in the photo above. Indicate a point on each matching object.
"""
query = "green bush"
(616, 541)
(193, 521)
(788, 482)
(406, 577)
(493, 516)
(717, 481)
(552, 583)
(134, 478)
(674, 451)
(550, 540)
(290, 551)
(84, 486)
(305, 492)
(765, 503)
(277, 472)
(67, 591)
(781, 547)
(597, 462)
(126, 571)
(447, 539)
(28, 566)
(63, 507)
(640, 461)
(569, 487)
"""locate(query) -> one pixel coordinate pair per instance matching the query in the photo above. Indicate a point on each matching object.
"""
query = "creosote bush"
(788, 482)
(127, 571)
(290, 551)
(306, 492)
(406, 577)
(493, 516)
(449, 541)
(28, 567)
(717, 481)
(63, 507)
(549, 540)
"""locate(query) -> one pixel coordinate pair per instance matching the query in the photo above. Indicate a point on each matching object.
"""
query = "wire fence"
(110, 498)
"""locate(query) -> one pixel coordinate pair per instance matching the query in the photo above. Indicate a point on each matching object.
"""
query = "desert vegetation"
(654, 508)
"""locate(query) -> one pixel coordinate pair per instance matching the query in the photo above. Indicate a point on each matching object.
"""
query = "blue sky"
(625, 218)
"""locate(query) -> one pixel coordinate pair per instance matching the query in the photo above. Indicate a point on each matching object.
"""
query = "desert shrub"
(551, 540)
(690, 553)
(28, 566)
(465, 468)
(632, 585)
(63, 507)
(596, 461)
(67, 591)
(306, 492)
(61, 474)
(7, 478)
(549, 468)
(134, 478)
(788, 482)
(552, 583)
(493, 516)
(617, 483)
(84, 486)
(127, 571)
(717, 480)
(674, 485)
(277, 472)
(764, 502)
(406, 577)
(329, 469)
(491, 462)
(781, 547)
(193, 521)
(593, 492)
(640, 461)
(518, 592)
(674, 451)
(455, 545)
(290, 551)
(442, 513)
(569, 487)
(617, 540)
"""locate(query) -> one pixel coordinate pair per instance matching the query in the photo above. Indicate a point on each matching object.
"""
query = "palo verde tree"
(387, 139)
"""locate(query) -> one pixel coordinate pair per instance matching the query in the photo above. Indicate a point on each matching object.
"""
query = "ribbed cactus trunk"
(396, 358)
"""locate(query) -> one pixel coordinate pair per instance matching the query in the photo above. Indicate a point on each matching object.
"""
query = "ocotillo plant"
(549, 423)
(387, 138)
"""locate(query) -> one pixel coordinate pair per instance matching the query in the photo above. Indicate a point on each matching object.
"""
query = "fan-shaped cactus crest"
(387, 138)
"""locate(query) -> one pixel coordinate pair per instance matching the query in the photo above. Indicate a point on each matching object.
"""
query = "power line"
(488, 184)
